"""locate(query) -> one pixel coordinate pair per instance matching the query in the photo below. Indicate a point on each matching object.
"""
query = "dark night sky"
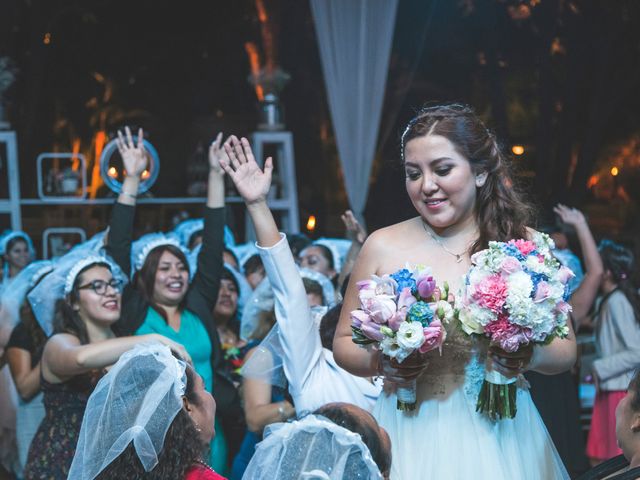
(180, 70)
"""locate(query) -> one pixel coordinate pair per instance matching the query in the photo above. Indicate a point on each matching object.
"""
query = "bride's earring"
(481, 179)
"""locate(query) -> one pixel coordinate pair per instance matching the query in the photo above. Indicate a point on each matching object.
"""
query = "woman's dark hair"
(36, 334)
(326, 253)
(67, 320)
(314, 288)
(500, 211)
(328, 326)
(297, 242)
(182, 448)
(146, 278)
(194, 237)
(14, 241)
(228, 275)
(621, 263)
(345, 418)
(253, 264)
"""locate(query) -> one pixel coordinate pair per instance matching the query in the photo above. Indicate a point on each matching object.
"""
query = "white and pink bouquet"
(515, 294)
(400, 314)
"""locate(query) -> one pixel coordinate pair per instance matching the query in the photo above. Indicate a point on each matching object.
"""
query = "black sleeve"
(21, 339)
(203, 292)
(121, 235)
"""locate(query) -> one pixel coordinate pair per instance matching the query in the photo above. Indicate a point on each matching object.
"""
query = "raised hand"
(217, 155)
(354, 231)
(570, 216)
(251, 182)
(134, 156)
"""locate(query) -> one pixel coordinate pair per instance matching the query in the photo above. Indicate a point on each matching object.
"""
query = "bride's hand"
(405, 372)
(507, 363)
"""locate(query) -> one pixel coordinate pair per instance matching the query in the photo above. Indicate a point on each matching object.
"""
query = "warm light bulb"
(47, 38)
(615, 171)
(112, 172)
(145, 175)
(311, 223)
(517, 149)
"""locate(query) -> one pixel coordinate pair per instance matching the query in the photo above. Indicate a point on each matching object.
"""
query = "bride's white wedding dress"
(445, 439)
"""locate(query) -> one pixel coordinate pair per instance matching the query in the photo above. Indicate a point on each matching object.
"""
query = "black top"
(201, 296)
(610, 467)
(21, 338)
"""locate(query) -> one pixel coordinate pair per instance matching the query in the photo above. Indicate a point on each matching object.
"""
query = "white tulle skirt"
(444, 438)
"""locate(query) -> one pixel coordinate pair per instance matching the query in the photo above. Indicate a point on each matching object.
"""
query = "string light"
(614, 171)
(112, 172)
(517, 149)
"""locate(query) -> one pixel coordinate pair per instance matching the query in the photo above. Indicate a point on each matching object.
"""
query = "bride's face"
(439, 180)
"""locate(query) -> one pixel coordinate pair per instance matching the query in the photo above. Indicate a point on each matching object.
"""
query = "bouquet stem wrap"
(406, 397)
(497, 396)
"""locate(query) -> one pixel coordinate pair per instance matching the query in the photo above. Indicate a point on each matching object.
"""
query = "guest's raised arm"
(582, 299)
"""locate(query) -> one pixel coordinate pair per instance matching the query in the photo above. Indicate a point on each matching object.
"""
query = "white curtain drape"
(355, 39)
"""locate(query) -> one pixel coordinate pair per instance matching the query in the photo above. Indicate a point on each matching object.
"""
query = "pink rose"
(563, 307)
(491, 292)
(510, 265)
(380, 308)
(396, 319)
(358, 317)
(542, 292)
(406, 298)
(372, 330)
(565, 274)
(366, 285)
(434, 337)
(426, 286)
(525, 246)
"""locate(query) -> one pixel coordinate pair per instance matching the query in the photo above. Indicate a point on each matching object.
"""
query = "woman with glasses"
(76, 304)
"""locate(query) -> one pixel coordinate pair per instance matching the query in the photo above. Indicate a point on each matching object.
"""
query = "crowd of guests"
(196, 357)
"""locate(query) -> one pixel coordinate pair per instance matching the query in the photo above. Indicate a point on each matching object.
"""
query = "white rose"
(389, 347)
(444, 311)
(410, 335)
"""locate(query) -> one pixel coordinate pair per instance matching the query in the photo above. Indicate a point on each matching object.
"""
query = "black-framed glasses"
(100, 286)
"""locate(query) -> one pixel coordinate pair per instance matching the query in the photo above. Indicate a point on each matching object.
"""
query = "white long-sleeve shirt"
(314, 377)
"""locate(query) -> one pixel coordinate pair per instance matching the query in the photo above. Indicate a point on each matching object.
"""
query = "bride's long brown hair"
(501, 214)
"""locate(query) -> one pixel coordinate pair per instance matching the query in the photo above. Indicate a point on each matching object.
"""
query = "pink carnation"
(434, 337)
(491, 292)
(525, 246)
(506, 335)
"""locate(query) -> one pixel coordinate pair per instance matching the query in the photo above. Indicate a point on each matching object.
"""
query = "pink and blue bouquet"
(515, 294)
(401, 314)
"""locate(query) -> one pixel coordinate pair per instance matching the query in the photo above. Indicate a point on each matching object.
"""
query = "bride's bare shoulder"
(393, 236)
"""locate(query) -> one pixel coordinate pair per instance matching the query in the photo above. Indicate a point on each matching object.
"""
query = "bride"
(459, 184)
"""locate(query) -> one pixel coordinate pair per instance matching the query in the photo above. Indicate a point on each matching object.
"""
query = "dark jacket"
(201, 297)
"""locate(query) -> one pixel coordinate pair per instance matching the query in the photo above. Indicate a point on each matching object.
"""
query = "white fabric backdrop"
(355, 39)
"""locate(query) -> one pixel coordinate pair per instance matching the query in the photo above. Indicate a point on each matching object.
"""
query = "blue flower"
(420, 312)
(512, 251)
(404, 279)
